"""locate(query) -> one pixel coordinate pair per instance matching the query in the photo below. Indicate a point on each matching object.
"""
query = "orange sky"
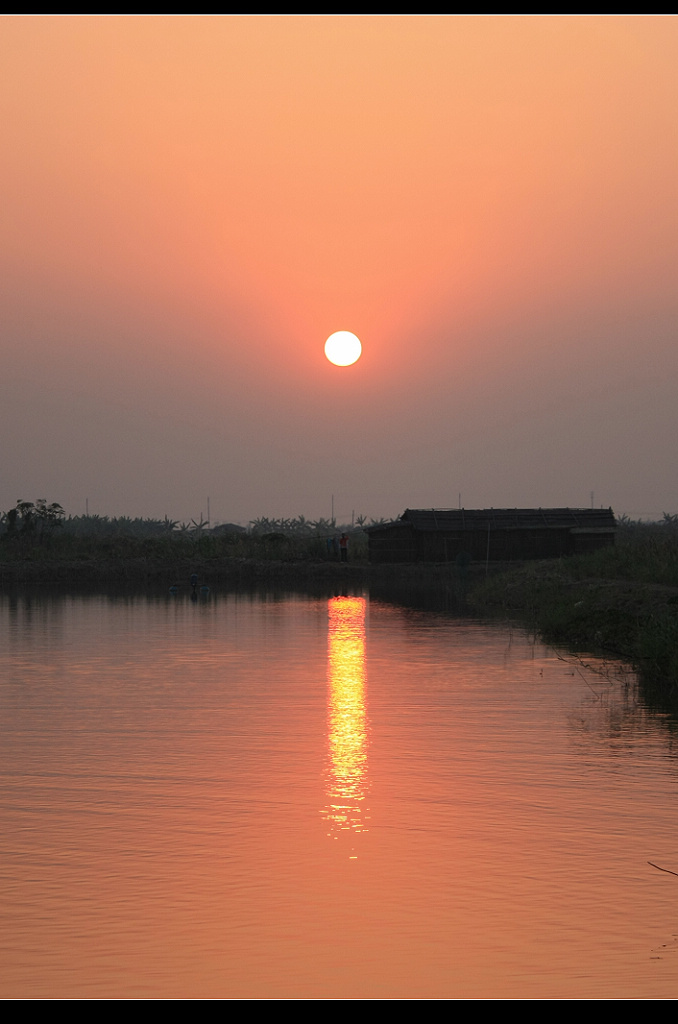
(192, 205)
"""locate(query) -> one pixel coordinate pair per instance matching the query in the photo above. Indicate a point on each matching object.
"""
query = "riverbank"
(633, 620)
(142, 569)
(620, 601)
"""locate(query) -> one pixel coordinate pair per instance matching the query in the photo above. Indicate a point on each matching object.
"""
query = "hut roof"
(434, 519)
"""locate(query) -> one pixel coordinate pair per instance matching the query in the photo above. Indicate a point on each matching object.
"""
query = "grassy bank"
(620, 601)
(95, 549)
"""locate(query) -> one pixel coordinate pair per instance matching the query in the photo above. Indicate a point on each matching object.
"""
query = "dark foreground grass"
(620, 601)
(126, 557)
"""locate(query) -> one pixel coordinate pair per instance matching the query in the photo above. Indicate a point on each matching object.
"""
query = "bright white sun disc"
(343, 348)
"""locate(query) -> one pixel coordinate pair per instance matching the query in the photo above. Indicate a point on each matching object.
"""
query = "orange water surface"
(300, 796)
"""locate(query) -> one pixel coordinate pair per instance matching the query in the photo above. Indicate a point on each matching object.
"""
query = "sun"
(343, 348)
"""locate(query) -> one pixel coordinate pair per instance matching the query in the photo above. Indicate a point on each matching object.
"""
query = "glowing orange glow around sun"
(343, 348)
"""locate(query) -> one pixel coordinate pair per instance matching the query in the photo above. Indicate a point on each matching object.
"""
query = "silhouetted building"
(494, 534)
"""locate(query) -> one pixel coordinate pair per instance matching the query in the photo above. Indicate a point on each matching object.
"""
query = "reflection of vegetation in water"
(611, 712)
(618, 713)
(622, 599)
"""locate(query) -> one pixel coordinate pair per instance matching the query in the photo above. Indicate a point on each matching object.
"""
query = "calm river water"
(294, 796)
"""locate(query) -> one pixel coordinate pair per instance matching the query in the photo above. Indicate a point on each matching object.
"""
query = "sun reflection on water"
(347, 782)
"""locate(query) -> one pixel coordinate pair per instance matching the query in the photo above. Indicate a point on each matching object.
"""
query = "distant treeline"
(38, 529)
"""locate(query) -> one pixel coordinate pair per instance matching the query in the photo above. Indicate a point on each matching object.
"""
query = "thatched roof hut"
(493, 534)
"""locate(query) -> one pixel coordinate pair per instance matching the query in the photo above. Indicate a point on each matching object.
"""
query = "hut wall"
(409, 541)
(504, 545)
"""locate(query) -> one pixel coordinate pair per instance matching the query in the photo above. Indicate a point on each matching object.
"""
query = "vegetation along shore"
(620, 600)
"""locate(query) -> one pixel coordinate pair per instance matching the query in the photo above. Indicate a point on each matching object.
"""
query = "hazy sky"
(190, 206)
